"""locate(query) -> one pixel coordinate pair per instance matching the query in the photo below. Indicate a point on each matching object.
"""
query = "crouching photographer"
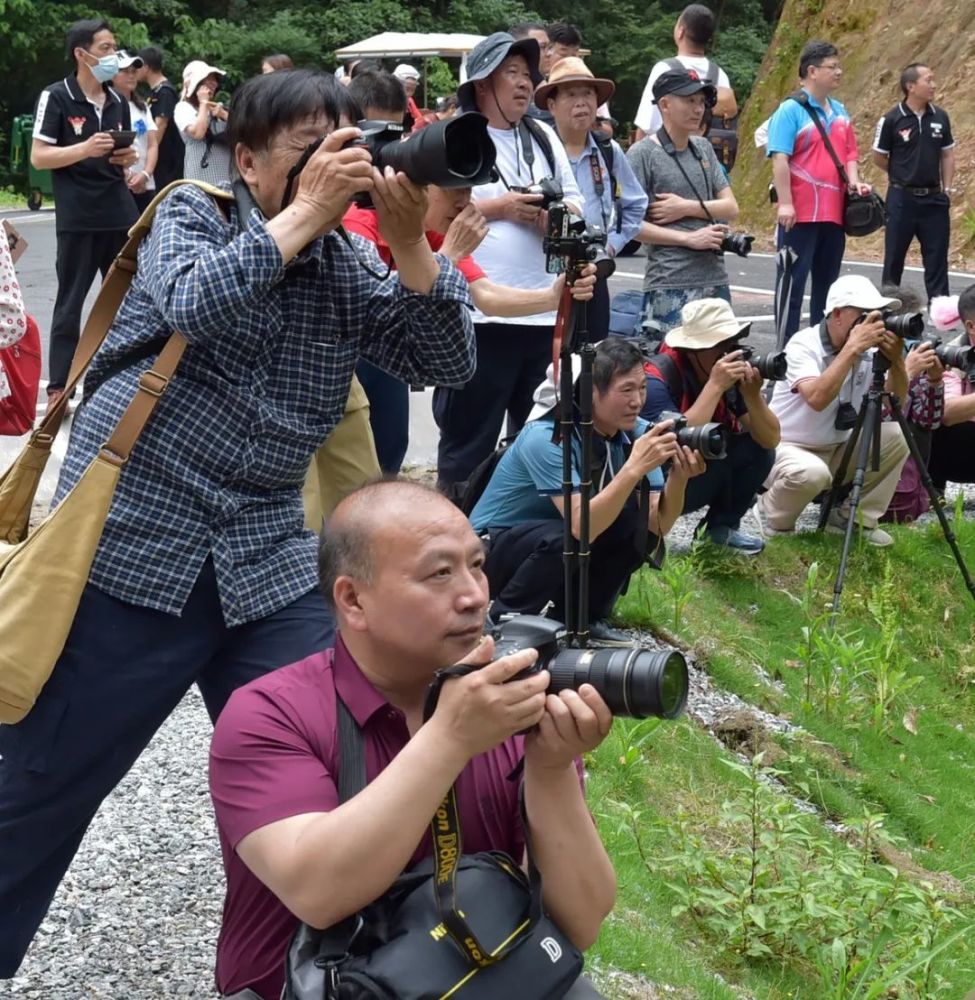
(405, 575)
(521, 509)
(704, 372)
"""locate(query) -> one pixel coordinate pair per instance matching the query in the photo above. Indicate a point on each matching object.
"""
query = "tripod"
(572, 333)
(866, 433)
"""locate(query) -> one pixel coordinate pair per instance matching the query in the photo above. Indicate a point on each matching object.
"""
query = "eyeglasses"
(830, 67)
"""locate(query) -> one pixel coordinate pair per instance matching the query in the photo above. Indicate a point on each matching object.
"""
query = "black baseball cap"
(683, 83)
(488, 55)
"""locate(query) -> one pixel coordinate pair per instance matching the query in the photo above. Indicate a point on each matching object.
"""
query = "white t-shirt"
(511, 253)
(647, 115)
(808, 359)
(143, 124)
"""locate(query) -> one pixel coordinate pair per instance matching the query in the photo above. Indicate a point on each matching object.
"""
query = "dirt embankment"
(876, 39)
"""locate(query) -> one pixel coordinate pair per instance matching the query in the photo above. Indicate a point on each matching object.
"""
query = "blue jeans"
(661, 309)
(123, 671)
(819, 250)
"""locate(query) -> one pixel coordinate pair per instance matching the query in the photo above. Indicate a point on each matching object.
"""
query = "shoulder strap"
(153, 383)
(667, 367)
(675, 63)
(531, 129)
(711, 73)
(801, 97)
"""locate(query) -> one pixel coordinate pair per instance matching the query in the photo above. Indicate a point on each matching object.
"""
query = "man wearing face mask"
(73, 127)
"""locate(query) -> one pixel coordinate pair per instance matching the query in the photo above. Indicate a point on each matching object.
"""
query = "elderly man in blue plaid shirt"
(204, 573)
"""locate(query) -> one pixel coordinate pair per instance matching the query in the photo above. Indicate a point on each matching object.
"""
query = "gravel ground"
(138, 914)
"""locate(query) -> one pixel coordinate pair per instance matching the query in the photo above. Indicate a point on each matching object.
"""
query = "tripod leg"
(871, 425)
(937, 502)
(839, 478)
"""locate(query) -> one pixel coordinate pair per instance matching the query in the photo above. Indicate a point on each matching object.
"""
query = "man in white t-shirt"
(830, 369)
(692, 35)
(512, 353)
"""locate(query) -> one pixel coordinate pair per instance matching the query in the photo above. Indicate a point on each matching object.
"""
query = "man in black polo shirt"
(163, 98)
(914, 146)
(72, 137)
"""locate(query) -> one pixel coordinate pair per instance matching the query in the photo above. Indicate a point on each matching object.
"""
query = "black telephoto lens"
(771, 366)
(633, 682)
(711, 440)
(907, 326)
(956, 356)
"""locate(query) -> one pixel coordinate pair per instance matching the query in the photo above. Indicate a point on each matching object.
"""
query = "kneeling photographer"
(704, 372)
(690, 203)
(829, 372)
(521, 509)
(405, 574)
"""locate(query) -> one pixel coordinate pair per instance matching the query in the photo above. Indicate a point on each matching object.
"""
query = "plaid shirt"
(219, 468)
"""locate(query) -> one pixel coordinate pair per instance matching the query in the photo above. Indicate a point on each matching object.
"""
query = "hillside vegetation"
(876, 38)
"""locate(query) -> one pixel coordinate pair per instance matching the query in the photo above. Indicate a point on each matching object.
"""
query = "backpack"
(478, 480)
(722, 133)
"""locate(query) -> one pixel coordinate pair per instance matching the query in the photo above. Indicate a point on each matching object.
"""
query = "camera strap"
(667, 144)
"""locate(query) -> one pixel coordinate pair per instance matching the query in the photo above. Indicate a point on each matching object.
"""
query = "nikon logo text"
(446, 856)
(552, 948)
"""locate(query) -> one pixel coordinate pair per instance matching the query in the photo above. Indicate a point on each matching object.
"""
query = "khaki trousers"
(801, 472)
(346, 461)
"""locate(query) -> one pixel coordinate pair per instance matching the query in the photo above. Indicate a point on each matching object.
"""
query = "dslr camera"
(569, 242)
(549, 189)
(633, 682)
(737, 243)
(961, 356)
(770, 366)
(711, 440)
(451, 154)
(907, 326)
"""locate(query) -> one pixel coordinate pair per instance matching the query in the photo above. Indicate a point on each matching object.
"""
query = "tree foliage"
(626, 37)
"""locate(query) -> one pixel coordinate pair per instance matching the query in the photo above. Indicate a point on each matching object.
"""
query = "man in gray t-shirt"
(679, 171)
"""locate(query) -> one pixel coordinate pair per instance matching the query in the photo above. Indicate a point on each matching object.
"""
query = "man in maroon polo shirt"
(405, 574)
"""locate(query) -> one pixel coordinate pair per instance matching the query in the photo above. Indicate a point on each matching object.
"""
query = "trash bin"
(39, 182)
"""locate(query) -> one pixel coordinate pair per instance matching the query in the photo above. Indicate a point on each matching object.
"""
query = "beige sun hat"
(194, 73)
(705, 323)
(572, 69)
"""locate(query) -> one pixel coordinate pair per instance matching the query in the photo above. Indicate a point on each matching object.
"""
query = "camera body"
(737, 243)
(633, 682)
(953, 355)
(549, 189)
(568, 242)
(711, 440)
(770, 366)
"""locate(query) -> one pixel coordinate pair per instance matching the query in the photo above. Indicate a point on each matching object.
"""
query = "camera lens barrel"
(711, 440)
(636, 683)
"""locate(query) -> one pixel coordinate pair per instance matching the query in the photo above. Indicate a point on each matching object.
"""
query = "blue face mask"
(105, 68)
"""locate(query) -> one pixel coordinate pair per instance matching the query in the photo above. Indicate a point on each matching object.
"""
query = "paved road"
(752, 282)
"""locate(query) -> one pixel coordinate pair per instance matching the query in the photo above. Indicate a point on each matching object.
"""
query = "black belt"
(920, 191)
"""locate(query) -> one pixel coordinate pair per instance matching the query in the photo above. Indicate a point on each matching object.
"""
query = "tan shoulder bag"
(43, 572)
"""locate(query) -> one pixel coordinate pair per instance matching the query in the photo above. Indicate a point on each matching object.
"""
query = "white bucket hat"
(547, 394)
(194, 73)
(705, 323)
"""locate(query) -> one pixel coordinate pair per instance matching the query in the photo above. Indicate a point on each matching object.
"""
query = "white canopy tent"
(413, 45)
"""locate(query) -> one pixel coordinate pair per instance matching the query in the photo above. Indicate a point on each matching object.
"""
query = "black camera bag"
(416, 943)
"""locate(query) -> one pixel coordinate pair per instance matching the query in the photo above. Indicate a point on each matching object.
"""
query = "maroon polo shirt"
(275, 755)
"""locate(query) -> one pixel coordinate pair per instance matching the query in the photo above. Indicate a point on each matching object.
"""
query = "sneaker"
(732, 538)
(603, 634)
(836, 525)
(758, 516)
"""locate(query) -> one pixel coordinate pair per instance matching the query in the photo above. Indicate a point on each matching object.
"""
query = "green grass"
(10, 198)
(743, 615)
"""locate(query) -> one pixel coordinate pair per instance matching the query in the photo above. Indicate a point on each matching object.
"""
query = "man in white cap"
(700, 371)
(409, 76)
(817, 403)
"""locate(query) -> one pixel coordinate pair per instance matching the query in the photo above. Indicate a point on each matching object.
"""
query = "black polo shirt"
(90, 195)
(914, 144)
(169, 166)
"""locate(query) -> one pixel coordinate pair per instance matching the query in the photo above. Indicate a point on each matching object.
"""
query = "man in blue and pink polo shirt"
(811, 195)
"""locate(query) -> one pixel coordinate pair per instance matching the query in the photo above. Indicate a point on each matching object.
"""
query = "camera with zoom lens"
(953, 355)
(770, 366)
(633, 682)
(737, 243)
(711, 440)
(569, 242)
(451, 154)
(907, 326)
(549, 189)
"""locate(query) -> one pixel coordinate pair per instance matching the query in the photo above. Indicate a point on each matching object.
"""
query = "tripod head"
(570, 244)
(880, 367)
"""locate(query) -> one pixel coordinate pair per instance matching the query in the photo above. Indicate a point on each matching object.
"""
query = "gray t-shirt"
(655, 169)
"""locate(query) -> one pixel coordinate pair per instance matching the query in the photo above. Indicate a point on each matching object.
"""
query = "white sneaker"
(836, 525)
(758, 516)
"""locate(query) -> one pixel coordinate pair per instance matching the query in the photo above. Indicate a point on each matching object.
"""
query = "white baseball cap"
(125, 61)
(406, 72)
(857, 292)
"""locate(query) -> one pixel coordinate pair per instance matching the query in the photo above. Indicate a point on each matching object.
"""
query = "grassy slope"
(741, 617)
